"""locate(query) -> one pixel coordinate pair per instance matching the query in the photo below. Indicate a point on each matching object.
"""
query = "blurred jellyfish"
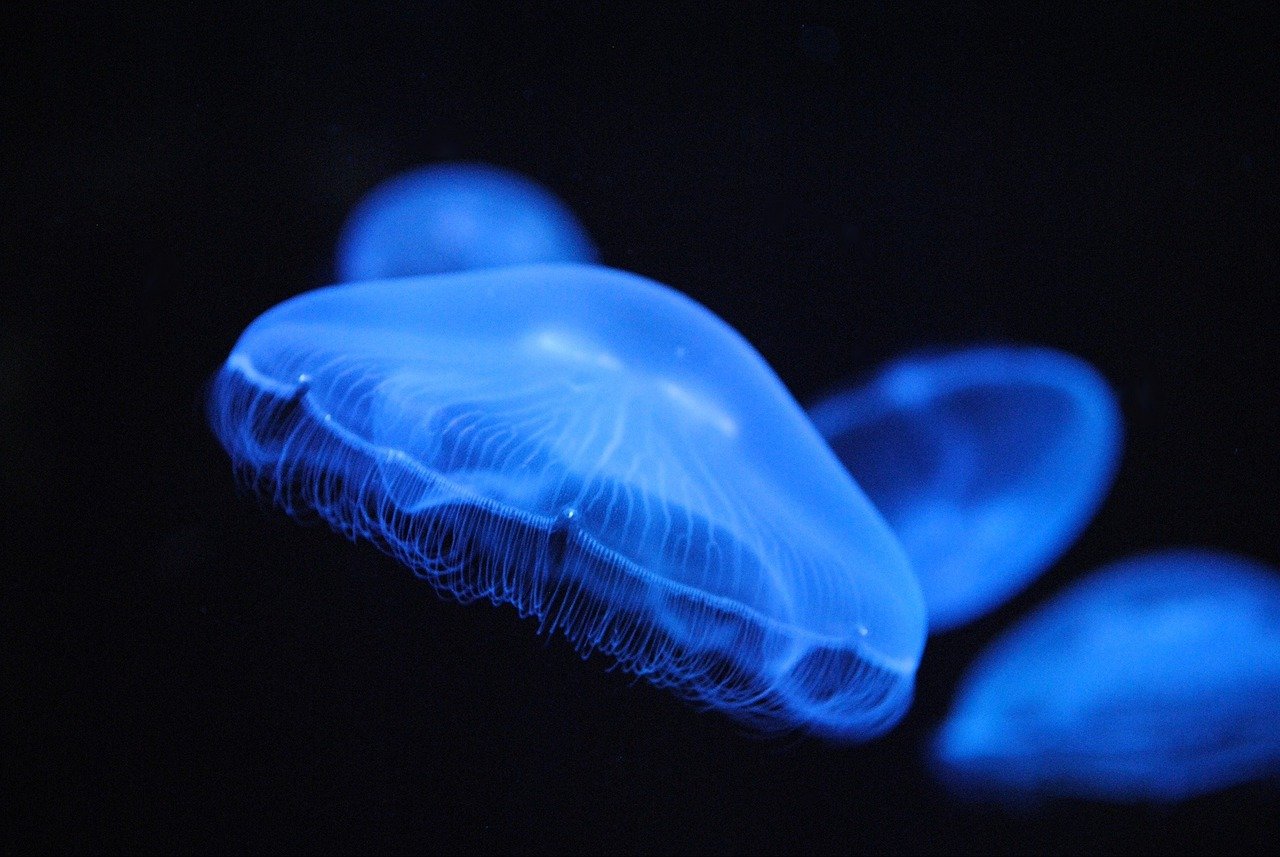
(986, 462)
(1156, 679)
(457, 217)
(605, 455)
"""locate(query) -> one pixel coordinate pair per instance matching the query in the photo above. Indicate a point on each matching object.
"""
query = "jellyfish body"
(1155, 679)
(986, 462)
(457, 217)
(603, 454)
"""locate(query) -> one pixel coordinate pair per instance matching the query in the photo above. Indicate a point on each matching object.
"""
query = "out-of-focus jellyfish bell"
(986, 462)
(1155, 679)
(457, 217)
(602, 453)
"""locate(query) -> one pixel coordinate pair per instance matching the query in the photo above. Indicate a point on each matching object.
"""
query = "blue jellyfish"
(1155, 679)
(457, 217)
(986, 462)
(603, 454)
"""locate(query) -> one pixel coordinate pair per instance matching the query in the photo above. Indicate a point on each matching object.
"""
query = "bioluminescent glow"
(986, 462)
(602, 453)
(1157, 678)
(457, 217)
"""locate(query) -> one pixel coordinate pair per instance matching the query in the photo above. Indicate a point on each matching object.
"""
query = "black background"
(185, 669)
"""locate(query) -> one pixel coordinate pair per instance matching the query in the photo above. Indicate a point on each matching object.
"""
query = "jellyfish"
(1155, 679)
(601, 453)
(457, 217)
(986, 462)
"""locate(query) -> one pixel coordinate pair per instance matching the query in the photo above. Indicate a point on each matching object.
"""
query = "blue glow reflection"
(1157, 678)
(457, 217)
(986, 462)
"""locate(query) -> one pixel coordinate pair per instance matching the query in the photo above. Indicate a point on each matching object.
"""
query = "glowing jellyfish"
(1157, 678)
(986, 462)
(457, 217)
(603, 454)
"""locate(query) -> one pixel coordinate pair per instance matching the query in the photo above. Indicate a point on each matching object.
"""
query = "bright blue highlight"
(986, 462)
(602, 453)
(1155, 679)
(457, 217)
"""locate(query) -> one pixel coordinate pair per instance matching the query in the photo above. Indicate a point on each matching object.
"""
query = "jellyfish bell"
(605, 455)
(986, 462)
(1155, 679)
(457, 217)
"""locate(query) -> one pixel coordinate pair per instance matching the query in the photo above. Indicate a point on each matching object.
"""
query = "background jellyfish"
(457, 217)
(603, 454)
(1157, 678)
(987, 462)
